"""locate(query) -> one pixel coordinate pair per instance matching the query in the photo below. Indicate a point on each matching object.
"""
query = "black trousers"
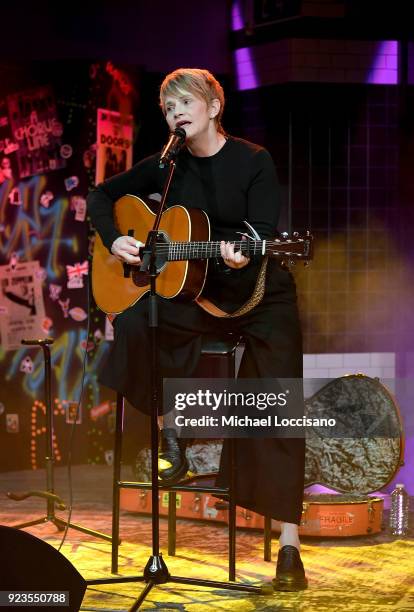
(270, 472)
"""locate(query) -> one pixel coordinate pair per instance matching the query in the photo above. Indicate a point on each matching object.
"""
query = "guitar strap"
(253, 300)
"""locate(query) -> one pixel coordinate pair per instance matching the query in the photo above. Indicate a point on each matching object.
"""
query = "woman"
(232, 180)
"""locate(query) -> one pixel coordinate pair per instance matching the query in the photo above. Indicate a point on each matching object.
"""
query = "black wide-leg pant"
(270, 472)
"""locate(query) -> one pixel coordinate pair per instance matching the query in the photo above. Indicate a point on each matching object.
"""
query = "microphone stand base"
(156, 570)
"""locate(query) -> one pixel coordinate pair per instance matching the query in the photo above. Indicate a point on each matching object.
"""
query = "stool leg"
(172, 522)
(267, 538)
(231, 373)
(119, 426)
(232, 513)
(50, 458)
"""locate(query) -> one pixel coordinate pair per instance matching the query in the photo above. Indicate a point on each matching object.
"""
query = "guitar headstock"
(291, 248)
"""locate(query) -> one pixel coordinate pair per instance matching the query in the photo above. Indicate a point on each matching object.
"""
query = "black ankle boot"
(172, 462)
(290, 574)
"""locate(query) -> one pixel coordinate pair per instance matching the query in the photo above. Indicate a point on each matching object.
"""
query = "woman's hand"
(126, 249)
(232, 259)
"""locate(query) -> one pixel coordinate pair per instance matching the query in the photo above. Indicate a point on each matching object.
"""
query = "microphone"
(173, 146)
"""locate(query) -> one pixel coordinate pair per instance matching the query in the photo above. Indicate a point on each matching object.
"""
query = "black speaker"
(29, 564)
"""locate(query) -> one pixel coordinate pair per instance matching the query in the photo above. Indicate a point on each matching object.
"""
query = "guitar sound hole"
(140, 279)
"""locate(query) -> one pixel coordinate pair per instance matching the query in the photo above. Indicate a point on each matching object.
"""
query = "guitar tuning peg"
(284, 235)
(295, 234)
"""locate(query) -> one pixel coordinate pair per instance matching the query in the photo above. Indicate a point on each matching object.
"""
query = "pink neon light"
(245, 69)
(236, 17)
(384, 70)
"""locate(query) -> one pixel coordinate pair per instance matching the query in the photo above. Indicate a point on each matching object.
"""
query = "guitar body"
(114, 292)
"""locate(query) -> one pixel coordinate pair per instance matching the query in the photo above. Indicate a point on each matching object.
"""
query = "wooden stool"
(218, 359)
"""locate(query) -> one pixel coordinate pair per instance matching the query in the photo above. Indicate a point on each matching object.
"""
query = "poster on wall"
(37, 131)
(114, 144)
(8, 147)
(22, 310)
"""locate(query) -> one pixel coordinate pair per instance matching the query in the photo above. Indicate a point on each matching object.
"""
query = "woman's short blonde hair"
(197, 81)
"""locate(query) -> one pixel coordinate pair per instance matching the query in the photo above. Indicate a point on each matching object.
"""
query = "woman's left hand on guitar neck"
(233, 259)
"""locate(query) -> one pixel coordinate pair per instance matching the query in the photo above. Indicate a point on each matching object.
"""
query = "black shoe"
(172, 462)
(290, 574)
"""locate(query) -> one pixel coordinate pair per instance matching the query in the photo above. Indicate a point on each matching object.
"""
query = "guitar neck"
(180, 251)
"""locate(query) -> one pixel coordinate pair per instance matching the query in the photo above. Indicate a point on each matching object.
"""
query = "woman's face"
(189, 112)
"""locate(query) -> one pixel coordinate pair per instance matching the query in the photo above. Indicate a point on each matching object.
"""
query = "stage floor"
(364, 574)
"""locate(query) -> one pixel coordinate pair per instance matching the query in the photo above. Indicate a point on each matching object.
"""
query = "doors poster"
(114, 144)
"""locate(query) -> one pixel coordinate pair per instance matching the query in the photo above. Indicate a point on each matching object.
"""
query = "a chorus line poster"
(36, 131)
(114, 144)
(8, 147)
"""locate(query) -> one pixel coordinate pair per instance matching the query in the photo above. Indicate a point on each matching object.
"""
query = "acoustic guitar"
(183, 252)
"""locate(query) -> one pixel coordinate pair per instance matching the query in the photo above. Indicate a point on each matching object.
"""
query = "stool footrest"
(212, 345)
(123, 484)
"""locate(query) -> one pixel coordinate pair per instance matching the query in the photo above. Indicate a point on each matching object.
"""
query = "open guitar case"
(356, 467)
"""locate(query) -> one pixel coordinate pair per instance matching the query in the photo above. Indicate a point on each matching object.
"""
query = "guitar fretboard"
(178, 251)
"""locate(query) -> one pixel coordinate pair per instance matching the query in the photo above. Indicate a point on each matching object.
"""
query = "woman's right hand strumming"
(126, 249)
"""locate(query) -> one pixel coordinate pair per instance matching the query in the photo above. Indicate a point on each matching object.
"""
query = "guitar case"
(355, 467)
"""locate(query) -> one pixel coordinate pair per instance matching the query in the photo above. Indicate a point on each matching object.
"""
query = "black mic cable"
(74, 423)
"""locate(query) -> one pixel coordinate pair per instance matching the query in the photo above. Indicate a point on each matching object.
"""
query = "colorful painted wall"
(48, 154)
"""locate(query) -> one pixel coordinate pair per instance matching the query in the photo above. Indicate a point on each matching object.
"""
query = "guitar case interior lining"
(355, 467)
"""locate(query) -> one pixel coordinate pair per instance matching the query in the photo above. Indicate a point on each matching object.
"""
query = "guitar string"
(186, 250)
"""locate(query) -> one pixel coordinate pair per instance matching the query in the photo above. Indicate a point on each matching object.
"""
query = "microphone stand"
(156, 571)
(50, 495)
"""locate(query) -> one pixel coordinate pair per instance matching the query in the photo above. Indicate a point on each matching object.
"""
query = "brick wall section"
(334, 365)
(264, 64)
(411, 63)
(315, 60)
